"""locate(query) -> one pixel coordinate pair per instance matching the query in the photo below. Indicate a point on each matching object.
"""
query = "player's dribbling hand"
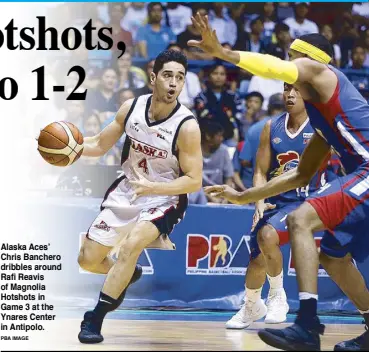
(259, 212)
(142, 187)
(223, 191)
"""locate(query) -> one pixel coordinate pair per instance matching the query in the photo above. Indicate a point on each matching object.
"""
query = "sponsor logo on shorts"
(103, 226)
(216, 255)
(152, 210)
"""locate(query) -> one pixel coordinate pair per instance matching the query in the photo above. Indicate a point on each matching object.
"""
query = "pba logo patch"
(144, 259)
(321, 271)
(216, 255)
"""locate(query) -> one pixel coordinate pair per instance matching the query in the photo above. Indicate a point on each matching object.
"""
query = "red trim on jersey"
(330, 110)
(332, 107)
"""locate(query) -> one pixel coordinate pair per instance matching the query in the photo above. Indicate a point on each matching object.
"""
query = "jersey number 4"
(143, 165)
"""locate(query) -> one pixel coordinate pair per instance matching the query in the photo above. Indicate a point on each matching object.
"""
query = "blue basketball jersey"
(286, 151)
(344, 123)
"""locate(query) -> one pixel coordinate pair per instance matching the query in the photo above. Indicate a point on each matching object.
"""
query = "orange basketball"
(60, 143)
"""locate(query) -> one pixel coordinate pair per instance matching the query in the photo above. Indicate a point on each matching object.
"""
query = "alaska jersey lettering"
(149, 150)
(150, 146)
(286, 151)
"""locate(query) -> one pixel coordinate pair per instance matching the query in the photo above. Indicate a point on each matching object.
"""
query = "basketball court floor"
(179, 330)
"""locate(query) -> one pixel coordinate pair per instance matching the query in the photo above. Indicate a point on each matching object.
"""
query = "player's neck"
(159, 110)
(295, 121)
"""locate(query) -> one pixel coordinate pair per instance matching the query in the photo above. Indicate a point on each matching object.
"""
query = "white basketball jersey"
(150, 146)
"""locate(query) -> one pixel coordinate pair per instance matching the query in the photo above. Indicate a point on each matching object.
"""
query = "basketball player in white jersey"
(162, 162)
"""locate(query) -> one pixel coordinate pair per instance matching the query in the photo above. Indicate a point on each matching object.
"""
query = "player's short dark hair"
(210, 128)
(169, 56)
(319, 41)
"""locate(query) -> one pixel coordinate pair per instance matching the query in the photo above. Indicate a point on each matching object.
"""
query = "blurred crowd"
(229, 103)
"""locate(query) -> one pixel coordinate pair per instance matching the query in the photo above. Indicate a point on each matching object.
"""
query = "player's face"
(169, 81)
(292, 99)
(293, 54)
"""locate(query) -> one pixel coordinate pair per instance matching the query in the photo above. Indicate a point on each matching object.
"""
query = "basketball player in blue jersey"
(282, 143)
(340, 117)
(161, 162)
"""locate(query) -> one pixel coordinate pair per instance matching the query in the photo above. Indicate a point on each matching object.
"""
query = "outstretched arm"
(312, 158)
(267, 66)
(101, 143)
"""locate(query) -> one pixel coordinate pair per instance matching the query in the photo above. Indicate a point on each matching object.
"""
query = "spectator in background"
(254, 102)
(75, 112)
(116, 13)
(148, 88)
(217, 165)
(284, 10)
(129, 77)
(268, 18)
(219, 104)
(224, 25)
(267, 87)
(366, 46)
(198, 197)
(191, 88)
(327, 32)
(360, 79)
(91, 125)
(123, 96)
(154, 38)
(177, 17)
(104, 99)
(135, 18)
(191, 33)
(347, 36)
(245, 155)
(252, 41)
(298, 24)
(97, 57)
(283, 38)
